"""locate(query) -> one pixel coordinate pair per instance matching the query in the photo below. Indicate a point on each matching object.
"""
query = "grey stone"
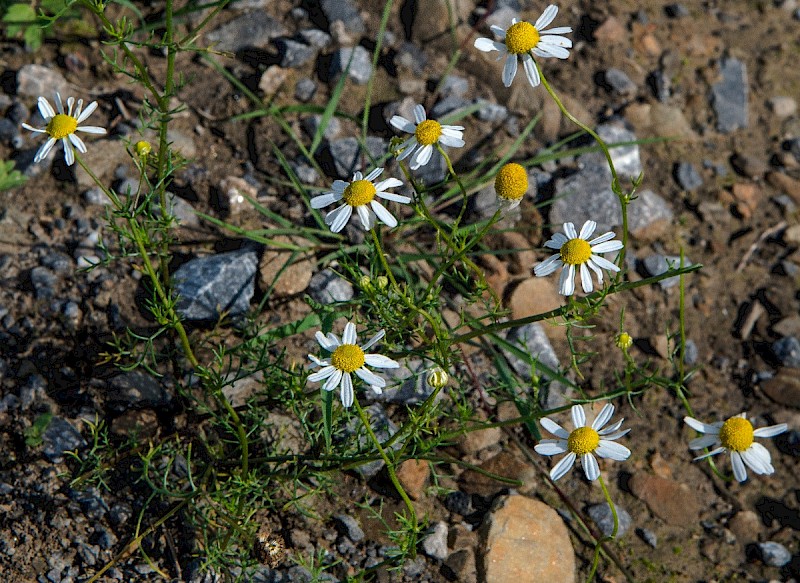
(57, 261)
(787, 351)
(91, 502)
(602, 517)
(648, 536)
(182, 210)
(454, 86)
(305, 89)
(360, 67)
(661, 85)
(434, 172)
(690, 353)
(59, 437)
(34, 391)
(383, 427)
(626, 158)
(411, 57)
(96, 196)
(459, 502)
(8, 130)
(492, 112)
(316, 37)
(346, 11)
(348, 526)
(448, 105)
(253, 29)
(348, 157)
(687, 176)
(782, 106)
(620, 83)
(729, 96)
(43, 281)
(533, 340)
(209, 286)
(305, 173)
(120, 513)
(333, 129)
(41, 81)
(294, 54)
(657, 264)
(648, 209)
(586, 195)
(136, 389)
(406, 384)
(326, 287)
(794, 147)
(774, 554)
(435, 542)
(104, 538)
(676, 10)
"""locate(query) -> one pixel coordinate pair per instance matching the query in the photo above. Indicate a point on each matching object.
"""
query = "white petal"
(509, 70)
(546, 18)
(598, 272)
(374, 174)
(486, 45)
(586, 279)
(59, 103)
(357, 176)
(69, 153)
(346, 393)
(550, 40)
(612, 450)
(771, 431)
(578, 416)
(546, 50)
(370, 377)
(590, 467)
(419, 114)
(566, 285)
(44, 150)
(563, 466)
(557, 30)
(377, 338)
(531, 72)
(603, 263)
(338, 218)
(758, 459)
(602, 238)
(548, 266)
(349, 336)
(611, 428)
(603, 417)
(394, 197)
(383, 214)
(451, 141)
(380, 361)
(703, 442)
(407, 148)
(92, 130)
(739, 471)
(376, 390)
(333, 381)
(570, 231)
(319, 361)
(402, 124)
(709, 454)
(587, 229)
(498, 32)
(552, 427)
(606, 247)
(87, 112)
(556, 241)
(46, 109)
(454, 131)
(700, 426)
(366, 216)
(322, 374)
(614, 435)
(324, 200)
(329, 344)
(422, 157)
(78, 143)
(551, 447)
(339, 186)
(388, 183)
(33, 129)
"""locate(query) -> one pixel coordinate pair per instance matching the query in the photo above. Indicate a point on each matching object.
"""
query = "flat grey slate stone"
(253, 29)
(729, 96)
(208, 286)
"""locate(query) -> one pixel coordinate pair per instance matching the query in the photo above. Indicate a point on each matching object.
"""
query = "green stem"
(465, 197)
(612, 536)
(392, 476)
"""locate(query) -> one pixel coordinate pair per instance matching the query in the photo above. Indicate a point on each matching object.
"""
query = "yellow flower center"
(736, 434)
(576, 252)
(61, 126)
(521, 38)
(583, 440)
(428, 132)
(359, 192)
(143, 148)
(511, 182)
(624, 341)
(348, 358)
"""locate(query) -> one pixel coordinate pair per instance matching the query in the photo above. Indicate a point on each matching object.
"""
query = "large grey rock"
(253, 29)
(38, 80)
(656, 264)
(647, 210)
(360, 65)
(209, 286)
(326, 287)
(59, 437)
(602, 517)
(347, 155)
(136, 389)
(294, 54)
(435, 542)
(729, 96)
(533, 340)
(345, 11)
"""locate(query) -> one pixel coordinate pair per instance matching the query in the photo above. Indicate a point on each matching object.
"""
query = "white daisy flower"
(360, 195)
(427, 133)
(584, 441)
(736, 436)
(62, 126)
(523, 38)
(575, 250)
(347, 358)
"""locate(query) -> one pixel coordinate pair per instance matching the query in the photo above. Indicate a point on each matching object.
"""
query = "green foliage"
(34, 433)
(9, 177)
(21, 19)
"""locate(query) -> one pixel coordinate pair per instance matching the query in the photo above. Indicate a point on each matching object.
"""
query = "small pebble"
(774, 554)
